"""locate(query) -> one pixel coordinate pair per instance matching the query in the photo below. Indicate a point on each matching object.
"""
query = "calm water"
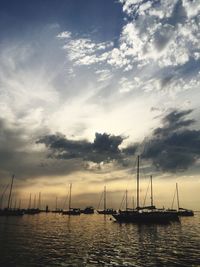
(91, 240)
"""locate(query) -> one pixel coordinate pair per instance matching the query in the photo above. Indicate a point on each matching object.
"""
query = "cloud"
(173, 147)
(105, 147)
(158, 40)
(20, 155)
(64, 35)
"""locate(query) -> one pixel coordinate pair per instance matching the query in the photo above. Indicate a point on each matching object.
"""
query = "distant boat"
(146, 215)
(105, 211)
(33, 210)
(56, 208)
(9, 211)
(71, 211)
(88, 210)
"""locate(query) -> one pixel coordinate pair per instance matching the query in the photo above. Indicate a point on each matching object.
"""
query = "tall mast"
(39, 201)
(56, 202)
(34, 202)
(138, 182)
(151, 191)
(9, 198)
(126, 199)
(70, 195)
(177, 195)
(29, 203)
(15, 203)
(2, 196)
(133, 203)
(19, 204)
(104, 197)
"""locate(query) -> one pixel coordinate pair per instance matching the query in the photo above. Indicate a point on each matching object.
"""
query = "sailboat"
(9, 211)
(33, 210)
(71, 211)
(182, 211)
(173, 214)
(143, 215)
(106, 211)
(56, 207)
(88, 210)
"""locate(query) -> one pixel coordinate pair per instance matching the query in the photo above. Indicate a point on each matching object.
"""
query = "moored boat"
(105, 211)
(146, 215)
(88, 210)
(71, 211)
(182, 211)
(9, 211)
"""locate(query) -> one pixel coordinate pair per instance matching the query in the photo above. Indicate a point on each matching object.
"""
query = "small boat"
(71, 211)
(105, 211)
(88, 210)
(145, 215)
(33, 210)
(56, 208)
(11, 212)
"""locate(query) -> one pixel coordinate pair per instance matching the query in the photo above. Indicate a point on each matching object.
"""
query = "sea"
(49, 239)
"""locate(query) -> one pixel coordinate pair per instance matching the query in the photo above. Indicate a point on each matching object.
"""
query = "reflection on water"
(95, 240)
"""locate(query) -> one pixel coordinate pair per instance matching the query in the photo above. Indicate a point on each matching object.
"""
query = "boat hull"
(7, 212)
(107, 212)
(72, 212)
(146, 217)
(186, 213)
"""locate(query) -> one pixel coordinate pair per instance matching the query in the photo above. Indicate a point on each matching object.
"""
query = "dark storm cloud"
(18, 155)
(105, 147)
(173, 146)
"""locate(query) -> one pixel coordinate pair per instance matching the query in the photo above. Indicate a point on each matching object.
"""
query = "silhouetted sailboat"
(143, 215)
(88, 210)
(105, 211)
(9, 211)
(56, 207)
(33, 210)
(173, 214)
(182, 211)
(71, 211)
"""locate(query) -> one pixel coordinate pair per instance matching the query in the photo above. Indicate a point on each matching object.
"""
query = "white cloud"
(103, 75)
(192, 8)
(64, 35)
(147, 39)
(84, 51)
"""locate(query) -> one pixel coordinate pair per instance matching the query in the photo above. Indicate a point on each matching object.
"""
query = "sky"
(86, 86)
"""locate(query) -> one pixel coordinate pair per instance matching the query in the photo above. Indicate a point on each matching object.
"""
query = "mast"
(126, 199)
(70, 195)
(56, 202)
(104, 197)
(177, 195)
(15, 204)
(11, 186)
(2, 196)
(29, 203)
(34, 202)
(39, 201)
(19, 204)
(133, 203)
(138, 182)
(151, 191)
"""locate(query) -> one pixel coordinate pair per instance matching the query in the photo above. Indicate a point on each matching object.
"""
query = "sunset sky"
(86, 86)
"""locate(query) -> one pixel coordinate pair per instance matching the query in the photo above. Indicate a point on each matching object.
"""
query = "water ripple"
(93, 240)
